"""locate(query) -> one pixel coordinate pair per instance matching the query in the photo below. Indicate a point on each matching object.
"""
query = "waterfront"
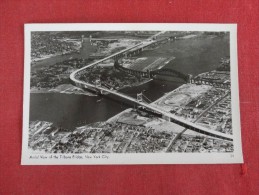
(70, 110)
(193, 56)
(83, 53)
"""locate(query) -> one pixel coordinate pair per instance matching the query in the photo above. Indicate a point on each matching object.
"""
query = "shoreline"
(134, 85)
(55, 90)
(35, 60)
(67, 89)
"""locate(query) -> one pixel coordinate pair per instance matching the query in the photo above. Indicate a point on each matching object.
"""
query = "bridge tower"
(148, 73)
(98, 82)
(140, 97)
(90, 39)
(190, 78)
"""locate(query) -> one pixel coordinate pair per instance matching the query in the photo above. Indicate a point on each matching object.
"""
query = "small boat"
(99, 100)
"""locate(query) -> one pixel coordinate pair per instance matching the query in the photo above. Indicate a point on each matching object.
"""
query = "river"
(192, 56)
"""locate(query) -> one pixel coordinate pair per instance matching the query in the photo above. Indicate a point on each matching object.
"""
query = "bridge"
(215, 83)
(113, 56)
(166, 115)
(153, 73)
(156, 35)
(169, 72)
(135, 49)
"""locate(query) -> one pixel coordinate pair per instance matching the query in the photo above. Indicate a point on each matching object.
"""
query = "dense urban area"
(45, 45)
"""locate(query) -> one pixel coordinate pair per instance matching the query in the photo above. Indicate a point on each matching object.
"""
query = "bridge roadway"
(159, 33)
(143, 44)
(102, 60)
(171, 117)
(113, 39)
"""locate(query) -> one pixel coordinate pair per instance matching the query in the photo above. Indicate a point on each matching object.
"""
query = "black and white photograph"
(131, 94)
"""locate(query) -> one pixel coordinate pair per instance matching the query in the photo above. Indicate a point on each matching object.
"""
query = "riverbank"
(65, 88)
(46, 57)
(134, 85)
(71, 89)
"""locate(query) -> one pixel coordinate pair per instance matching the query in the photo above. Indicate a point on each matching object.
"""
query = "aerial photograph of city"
(130, 92)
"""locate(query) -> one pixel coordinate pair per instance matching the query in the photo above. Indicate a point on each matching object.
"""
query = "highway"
(162, 32)
(102, 60)
(145, 43)
(201, 115)
(173, 118)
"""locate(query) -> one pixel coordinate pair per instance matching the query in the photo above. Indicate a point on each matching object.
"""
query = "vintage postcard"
(131, 94)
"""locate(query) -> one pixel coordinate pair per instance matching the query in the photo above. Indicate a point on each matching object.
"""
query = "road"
(173, 118)
(172, 142)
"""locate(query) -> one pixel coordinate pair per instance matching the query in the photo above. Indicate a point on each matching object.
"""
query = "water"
(192, 56)
(69, 111)
(152, 90)
(195, 55)
(84, 52)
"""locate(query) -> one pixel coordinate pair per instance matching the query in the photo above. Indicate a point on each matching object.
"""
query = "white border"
(150, 158)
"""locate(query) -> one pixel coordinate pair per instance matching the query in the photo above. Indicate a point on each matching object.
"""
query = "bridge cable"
(146, 98)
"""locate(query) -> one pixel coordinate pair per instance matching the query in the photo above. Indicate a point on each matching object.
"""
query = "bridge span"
(153, 73)
(113, 56)
(135, 49)
(166, 115)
